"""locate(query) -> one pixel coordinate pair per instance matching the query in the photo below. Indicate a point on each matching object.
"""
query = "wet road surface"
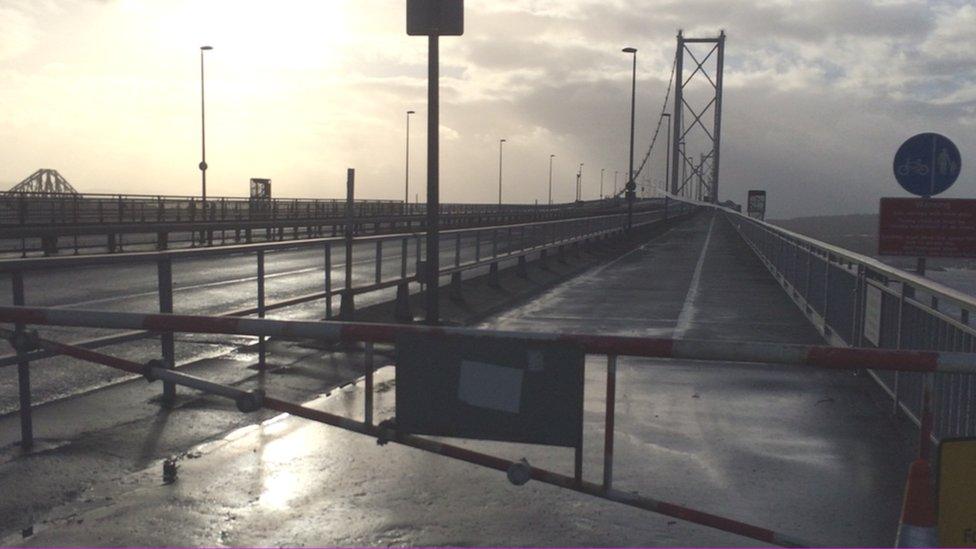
(805, 452)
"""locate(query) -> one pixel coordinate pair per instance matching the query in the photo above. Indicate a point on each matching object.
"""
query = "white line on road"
(688, 311)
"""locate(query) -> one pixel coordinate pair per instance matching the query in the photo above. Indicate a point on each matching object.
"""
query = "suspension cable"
(660, 119)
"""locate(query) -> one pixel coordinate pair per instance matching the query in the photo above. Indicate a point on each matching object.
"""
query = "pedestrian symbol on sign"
(944, 163)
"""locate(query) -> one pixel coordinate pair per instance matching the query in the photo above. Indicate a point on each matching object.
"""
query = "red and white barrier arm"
(250, 401)
(687, 349)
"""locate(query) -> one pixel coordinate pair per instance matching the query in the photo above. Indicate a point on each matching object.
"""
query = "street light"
(500, 141)
(551, 156)
(406, 186)
(601, 182)
(631, 186)
(203, 134)
(615, 172)
(579, 182)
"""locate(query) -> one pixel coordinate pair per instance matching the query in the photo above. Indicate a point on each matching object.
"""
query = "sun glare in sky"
(108, 93)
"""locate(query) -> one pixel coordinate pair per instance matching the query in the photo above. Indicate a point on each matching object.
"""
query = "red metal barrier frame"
(574, 483)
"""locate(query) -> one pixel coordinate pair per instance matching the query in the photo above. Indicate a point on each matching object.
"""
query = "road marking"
(688, 311)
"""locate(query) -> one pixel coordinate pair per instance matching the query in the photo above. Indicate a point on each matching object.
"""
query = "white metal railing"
(859, 301)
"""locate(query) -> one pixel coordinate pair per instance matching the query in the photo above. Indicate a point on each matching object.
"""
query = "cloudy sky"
(818, 94)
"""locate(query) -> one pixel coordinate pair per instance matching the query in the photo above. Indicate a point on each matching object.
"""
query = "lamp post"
(579, 182)
(203, 135)
(601, 182)
(406, 185)
(500, 142)
(615, 172)
(667, 156)
(631, 186)
(551, 156)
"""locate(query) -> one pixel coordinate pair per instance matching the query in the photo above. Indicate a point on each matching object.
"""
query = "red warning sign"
(927, 227)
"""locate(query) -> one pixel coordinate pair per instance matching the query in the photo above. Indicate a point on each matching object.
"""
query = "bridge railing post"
(608, 428)
(23, 370)
(417, 256)
(262, 346)
(477, 245)
(379, 261)
(164, 273)
(404, 251)
(328, 280)
(457, 250)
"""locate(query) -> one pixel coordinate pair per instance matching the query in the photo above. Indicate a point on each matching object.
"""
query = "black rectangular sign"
(491, 389)
(435, 17)
(756, 205)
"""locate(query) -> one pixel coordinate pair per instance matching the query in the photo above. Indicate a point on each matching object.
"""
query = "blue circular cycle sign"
(927, 164)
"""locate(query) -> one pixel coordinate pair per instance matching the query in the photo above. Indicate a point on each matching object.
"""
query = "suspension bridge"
(664, 372)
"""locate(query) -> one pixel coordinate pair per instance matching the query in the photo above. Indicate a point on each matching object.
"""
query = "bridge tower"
(684, 168)
(44, 182)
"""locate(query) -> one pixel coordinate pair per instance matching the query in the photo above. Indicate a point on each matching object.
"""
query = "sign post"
(925, 165)
(433, 18)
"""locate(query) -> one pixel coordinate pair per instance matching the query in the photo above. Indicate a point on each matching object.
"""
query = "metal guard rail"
(49, 235)
(558, 234)
(831, 285)
(30, 209)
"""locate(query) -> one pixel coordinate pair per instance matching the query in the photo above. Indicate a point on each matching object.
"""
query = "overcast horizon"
(818, 95)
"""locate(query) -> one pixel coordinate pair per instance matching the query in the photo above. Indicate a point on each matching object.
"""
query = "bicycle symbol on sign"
(913, 167)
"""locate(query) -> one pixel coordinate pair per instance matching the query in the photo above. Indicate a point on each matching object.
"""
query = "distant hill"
(832, 225)
(857, 233)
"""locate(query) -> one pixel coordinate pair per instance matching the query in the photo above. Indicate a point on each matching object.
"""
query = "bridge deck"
(808, 453)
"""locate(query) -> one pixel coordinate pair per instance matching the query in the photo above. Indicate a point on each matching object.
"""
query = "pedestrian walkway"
(805, 452)
(698, 281)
